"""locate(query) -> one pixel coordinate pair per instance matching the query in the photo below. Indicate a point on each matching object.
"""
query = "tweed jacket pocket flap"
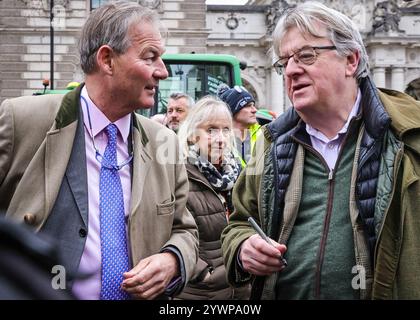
(167, 207)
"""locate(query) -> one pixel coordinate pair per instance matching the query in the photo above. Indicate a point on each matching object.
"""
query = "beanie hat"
(236, 98)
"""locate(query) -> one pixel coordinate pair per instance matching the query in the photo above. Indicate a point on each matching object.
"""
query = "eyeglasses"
(306, 55)
(99, 157)
(213, 132)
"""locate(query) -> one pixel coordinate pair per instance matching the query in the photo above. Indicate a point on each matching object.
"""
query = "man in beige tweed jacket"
(43, 170)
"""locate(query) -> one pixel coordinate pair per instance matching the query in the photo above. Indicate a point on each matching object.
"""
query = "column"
(277, 93)
(397, 79)
(379, 77)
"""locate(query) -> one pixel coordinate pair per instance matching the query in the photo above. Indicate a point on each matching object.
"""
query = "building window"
(97, 3)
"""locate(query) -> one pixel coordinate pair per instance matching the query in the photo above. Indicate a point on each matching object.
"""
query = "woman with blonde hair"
(207, 140)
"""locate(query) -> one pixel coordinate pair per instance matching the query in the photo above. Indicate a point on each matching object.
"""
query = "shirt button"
(82, 233)
(330, 146)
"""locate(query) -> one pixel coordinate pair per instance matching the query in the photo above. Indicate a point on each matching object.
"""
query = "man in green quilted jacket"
(334, 182)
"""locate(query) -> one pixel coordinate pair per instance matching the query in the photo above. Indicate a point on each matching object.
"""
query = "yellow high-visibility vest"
(253, 130)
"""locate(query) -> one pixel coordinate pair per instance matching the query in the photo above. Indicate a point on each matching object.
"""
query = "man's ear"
(105, 59)
(352, 63)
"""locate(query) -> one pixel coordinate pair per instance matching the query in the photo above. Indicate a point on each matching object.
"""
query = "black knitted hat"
(236, 98)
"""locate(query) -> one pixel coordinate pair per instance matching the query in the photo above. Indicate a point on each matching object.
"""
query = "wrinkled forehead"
(145, 35)
(143, 26)
(294, 36)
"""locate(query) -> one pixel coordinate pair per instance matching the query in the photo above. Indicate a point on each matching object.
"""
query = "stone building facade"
(391, 31)
(25, 38)
(25, 44)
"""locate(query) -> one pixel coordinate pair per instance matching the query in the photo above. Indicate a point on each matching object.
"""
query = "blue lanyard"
(99, 157)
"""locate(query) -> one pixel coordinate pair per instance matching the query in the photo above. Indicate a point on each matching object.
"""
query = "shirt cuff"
(177, 283)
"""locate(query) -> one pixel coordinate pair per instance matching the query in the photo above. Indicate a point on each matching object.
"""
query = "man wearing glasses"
(336, 186)
(105, 183)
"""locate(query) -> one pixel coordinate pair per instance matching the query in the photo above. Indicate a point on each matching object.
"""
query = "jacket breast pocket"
(167, 207)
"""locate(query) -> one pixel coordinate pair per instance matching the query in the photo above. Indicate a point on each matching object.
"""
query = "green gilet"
(323, 221)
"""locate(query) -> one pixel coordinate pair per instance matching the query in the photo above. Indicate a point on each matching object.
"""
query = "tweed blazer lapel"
(141, 164)
(76, 171)
(37, 191)
(59, 145)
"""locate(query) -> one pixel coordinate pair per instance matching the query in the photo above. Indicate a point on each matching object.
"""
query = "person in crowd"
(335, 186)
(75, 167)
(207, 140)
(179, 105)
(246, 127)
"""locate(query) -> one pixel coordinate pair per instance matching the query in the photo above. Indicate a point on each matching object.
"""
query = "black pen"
(264, 236)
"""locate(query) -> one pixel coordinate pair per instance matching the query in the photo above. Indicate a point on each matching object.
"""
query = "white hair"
(342, 32)
(206, 109)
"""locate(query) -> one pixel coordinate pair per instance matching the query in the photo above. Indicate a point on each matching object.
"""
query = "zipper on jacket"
(324, 237)
(331, 176)
(203, 183)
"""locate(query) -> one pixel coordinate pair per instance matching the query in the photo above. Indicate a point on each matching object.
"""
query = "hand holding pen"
(264, 236)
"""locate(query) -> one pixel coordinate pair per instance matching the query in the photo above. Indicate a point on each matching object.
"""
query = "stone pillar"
(379, 77)
(186, 24)
(397, 79)
(277, 93)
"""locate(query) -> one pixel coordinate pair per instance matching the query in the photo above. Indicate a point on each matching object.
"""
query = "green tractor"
(70, 86)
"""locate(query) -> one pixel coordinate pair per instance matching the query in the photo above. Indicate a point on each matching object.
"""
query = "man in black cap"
(242, 105)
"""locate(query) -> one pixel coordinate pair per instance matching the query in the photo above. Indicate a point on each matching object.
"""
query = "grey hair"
(110, 25)
(205, 109)
(342, 31)
(179, 95)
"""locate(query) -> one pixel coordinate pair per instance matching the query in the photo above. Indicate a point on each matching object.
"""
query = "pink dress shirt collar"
(101, 121)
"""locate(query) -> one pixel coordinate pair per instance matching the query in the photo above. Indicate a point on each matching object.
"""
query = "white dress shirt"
(330, 148)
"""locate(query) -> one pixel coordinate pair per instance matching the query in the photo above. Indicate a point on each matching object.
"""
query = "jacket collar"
(375, 116)
(403, 110)
(137, 125)
(286, 122)
(194, 173)
(70, 109)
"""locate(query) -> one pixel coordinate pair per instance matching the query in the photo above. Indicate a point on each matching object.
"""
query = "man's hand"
(260, 258)
(149, 278)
